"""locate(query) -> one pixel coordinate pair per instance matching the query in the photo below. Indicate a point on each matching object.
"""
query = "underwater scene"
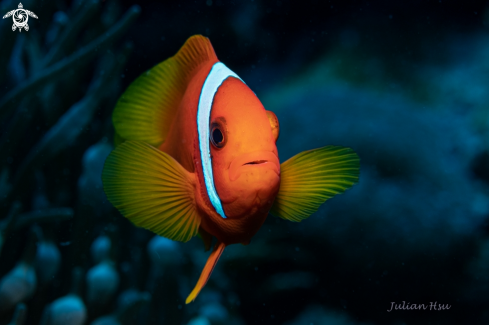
(217, 162)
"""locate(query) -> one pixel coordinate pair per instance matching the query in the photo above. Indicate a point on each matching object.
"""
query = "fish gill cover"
(402, 84)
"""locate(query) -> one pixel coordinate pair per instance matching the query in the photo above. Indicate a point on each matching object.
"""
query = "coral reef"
(60, 75)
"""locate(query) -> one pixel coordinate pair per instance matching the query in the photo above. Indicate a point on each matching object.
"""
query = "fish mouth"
(253, 160)
(256, 162)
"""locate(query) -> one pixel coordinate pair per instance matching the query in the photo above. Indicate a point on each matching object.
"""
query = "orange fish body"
(196, 154)
(246, 191)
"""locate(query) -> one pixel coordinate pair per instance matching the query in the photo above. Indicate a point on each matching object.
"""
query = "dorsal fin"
(148, 106)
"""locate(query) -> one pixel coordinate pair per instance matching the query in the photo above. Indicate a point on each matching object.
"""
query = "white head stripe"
(214, 80)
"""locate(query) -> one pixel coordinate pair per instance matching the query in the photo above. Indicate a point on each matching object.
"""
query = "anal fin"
(207, 271)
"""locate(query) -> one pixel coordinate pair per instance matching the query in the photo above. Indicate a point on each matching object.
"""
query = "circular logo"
(20, 18)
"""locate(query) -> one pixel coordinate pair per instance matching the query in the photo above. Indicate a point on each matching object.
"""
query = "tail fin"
(206, 272)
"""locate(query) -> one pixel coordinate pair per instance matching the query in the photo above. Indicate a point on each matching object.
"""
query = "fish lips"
(252, 161)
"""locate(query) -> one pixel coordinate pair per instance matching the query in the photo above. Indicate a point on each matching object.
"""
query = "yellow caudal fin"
(152, 190)
(311, 177)
(147, 108)
(206, 272)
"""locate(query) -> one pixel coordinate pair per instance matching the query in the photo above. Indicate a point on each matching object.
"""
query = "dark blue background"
(405, 84)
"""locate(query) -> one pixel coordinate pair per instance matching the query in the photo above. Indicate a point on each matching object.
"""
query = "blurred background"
(405, 84)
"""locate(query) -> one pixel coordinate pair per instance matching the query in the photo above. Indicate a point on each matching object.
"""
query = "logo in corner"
(20, 17)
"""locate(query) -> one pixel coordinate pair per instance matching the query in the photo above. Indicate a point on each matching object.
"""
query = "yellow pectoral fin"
(152, 190)
(311, 177)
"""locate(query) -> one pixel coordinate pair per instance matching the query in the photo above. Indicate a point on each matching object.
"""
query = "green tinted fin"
(147, 108)
(118, 139)
(311, 177)
(152, 190)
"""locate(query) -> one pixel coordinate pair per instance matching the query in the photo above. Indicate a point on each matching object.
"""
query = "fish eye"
(217, 134)
(217, 138)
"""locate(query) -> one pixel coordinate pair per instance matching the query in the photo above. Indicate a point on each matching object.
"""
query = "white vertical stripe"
(214, 80)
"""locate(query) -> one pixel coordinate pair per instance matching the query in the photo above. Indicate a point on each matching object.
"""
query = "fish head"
(244, 154)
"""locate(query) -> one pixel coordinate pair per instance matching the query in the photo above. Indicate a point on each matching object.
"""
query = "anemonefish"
(196, 154)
